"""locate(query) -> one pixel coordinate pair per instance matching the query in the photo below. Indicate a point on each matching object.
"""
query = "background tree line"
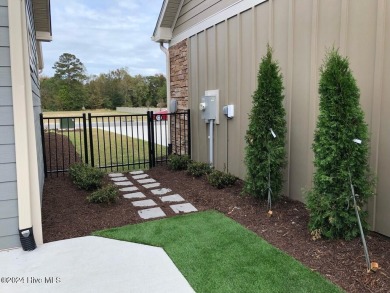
(71, 89)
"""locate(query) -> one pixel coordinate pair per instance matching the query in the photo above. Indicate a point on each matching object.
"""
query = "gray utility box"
(208, 107)
(66, 123)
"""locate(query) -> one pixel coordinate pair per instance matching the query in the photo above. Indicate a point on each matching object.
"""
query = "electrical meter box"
(173, 106)
(209, 106)
(67, 123)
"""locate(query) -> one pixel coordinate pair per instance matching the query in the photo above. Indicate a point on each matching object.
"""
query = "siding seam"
(313, 87)
(378, 91)
(290, 82)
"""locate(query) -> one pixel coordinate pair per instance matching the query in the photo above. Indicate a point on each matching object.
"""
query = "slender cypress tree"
(264, 152)
(339, 160)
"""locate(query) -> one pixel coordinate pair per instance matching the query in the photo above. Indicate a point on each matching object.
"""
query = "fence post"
(148, 121)
(152, 157)
(85, 138)
(189, 132)
(152, 139)
(43, 144)
(91, 139)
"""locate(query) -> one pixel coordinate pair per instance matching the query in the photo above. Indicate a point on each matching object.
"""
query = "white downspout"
(168, 80)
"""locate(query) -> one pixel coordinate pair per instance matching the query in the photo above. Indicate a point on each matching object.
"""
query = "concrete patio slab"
(91, 264)
(143, 181)
(115, 175)
(117, 179)
(134, 195)
(123, 183)
(151, 213)
(161, 191)
(144, 203)
(183, 208)
(140, 176)
(151, 185)
(128, 189)
(137, 172)
(172, 198)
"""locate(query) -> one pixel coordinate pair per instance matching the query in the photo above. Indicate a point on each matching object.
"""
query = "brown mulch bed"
(60, 152)
(66, 214)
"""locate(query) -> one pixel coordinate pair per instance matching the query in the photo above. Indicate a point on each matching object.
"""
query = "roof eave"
(162, 35)
(160, 17)
(43, 36)
(164, 29)
(42, 20)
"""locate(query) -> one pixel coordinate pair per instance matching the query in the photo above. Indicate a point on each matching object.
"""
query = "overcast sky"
(106, 35)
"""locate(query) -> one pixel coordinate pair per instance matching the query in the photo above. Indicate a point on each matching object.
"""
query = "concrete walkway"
(90, 264)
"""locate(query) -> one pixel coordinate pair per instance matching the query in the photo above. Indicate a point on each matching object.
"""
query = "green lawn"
(216, 254)
(110, 149)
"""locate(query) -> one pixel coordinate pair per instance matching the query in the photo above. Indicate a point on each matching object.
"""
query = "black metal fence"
(114, 142)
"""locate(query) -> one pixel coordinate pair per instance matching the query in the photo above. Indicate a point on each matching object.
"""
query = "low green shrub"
(198, 169)
(178, 162)
(107, 194)
(85, 176)
(220, 179)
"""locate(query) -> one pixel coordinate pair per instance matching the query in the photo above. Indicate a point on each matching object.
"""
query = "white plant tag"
(358, 141)
(273, 133)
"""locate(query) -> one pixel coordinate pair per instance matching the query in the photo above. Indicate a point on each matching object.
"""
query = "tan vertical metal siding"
(221, 71)
(234, 153)
(194, 92)
(227, 55)
(202, 86)
(245, 76)
(382, 111)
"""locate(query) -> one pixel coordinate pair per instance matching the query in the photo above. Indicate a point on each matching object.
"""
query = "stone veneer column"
(179, 91)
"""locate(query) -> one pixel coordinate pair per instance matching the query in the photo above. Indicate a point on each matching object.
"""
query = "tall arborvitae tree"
(338, 158)
(264, 152)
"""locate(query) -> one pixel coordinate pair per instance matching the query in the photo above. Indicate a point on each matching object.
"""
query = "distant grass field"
(98, 112)
(216, 254)
(54, 115)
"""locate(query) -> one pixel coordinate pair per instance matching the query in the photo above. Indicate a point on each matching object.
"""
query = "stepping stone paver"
(151, 213)
(134, 195)
(128, 189)
(140, 176)
(143, 181)
(115, 175)
(144, 203)
(137, 172)
(123, 183)
(117, 179)
(183, 208)
(161, 191)
(172, 198)
(151, 185)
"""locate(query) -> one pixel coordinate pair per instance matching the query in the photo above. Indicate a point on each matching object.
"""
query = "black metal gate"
(114, 142)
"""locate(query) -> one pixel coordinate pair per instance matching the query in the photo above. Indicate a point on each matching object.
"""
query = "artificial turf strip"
(216, 254)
